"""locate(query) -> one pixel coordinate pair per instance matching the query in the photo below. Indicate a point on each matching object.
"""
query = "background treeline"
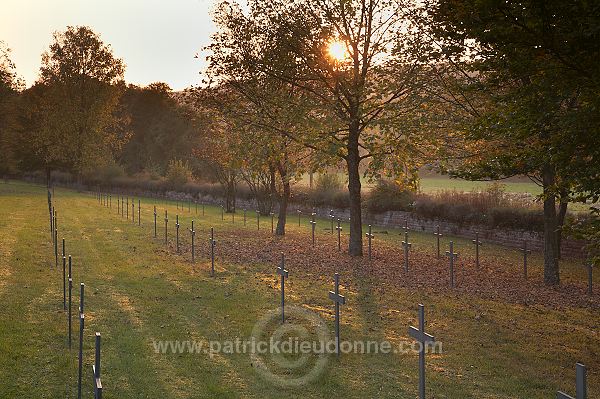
(378, 89)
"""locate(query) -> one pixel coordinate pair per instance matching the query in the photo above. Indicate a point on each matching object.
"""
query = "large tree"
(10, 85)
(530, 72)
(73, 123)
(354, 61)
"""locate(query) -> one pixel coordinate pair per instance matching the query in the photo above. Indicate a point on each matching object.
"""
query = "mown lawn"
(139, 291)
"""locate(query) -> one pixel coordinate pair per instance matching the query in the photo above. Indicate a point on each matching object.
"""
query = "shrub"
(329, 182)
(387, 195)
(178, 174)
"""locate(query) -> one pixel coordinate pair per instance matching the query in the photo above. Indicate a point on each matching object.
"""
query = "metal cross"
(370, 236)
(55, 247)
(177, 232)
(64, 259)
(406, 245)
(525, 252)
(332, 217)
(450, 254)
(154, 221)
(477, 245)
(338, 300)
(314, 225)
(96, 370)
(70, 317)
(421, 336)
(166, 225)
(193, 232)
(81, 325)
(213, 243)
(580, 382)
(284, 274)
(339, 234)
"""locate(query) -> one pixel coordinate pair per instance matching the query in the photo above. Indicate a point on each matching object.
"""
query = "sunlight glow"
(338, 51)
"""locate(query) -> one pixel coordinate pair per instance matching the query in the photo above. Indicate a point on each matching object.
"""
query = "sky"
(157, 39)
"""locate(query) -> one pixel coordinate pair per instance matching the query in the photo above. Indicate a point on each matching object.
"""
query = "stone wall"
(398, 219)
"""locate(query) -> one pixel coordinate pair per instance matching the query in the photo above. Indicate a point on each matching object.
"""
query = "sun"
(338, 51)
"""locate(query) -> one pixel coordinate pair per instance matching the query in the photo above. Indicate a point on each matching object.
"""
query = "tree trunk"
(562, 213)
(353, 162)
(283, 200)
(551, 269)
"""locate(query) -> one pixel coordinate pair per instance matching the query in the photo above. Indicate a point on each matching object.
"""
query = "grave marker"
(423, 338)
(313, 224)
(339, 234)
(70, 317)
(96, 370)
(166, 227)
(299, 215)
(281, 271)
(55, 248)
(370, 236)
(338, 300)
(406, 245)
(477, 245)
(332, 218)
(193, 233)
(177, 232)
(212, 243)
(81, 325)
(154, 221)
(580, 383)
(452, 256)
(525, 252)
(64, 282)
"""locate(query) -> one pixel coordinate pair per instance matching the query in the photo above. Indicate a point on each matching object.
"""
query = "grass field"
(430, 183)
(139, 291)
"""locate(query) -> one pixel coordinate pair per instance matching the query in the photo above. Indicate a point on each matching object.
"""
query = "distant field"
(436, 183)
(431, 184)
